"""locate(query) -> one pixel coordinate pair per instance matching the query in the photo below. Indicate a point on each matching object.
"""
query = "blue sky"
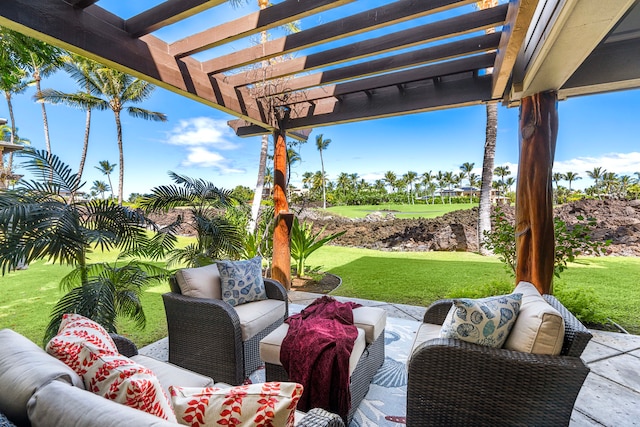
(598, 130)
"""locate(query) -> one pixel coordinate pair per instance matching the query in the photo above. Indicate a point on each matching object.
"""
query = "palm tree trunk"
(324, 186)
(12, 119)
(484, 214)
(257, 195)
(85, 144)
(121, 158)
(45, 121)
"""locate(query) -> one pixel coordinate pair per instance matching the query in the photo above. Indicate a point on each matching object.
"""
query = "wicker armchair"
(452, 382)
(205, 335)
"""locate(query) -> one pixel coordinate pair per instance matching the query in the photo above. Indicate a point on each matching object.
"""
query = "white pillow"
(200, 282)
(539, 328)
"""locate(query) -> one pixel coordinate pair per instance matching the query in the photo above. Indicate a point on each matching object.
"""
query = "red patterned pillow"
(87, 348)
(259, 405)
(79, 341)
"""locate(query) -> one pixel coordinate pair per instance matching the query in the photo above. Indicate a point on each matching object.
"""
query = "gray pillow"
(200, 282)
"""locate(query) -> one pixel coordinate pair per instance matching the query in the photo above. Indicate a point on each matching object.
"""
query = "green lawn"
(400, 211)
(415, 278)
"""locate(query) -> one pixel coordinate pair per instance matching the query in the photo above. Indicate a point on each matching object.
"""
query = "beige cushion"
(169, 374)
(426, 332)
(200, 282)
(270, 347)
(257, 315)
(372, 320)
(539, 327)
(59, 404)
(25, 367)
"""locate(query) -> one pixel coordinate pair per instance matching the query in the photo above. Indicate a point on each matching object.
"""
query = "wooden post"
(535, 240)
(281, 267)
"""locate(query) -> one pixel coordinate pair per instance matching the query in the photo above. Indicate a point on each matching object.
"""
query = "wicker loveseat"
(453, 382)
(39, 390)
(209, 336)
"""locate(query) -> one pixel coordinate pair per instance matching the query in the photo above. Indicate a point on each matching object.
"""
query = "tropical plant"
(322, 144)
(570, 177)
(390, 178)
(304, 242)
(570, 241)
(410, 179)
(596, 174)
(107, 169)
(217, 237)
(100, 187)
(36, 222)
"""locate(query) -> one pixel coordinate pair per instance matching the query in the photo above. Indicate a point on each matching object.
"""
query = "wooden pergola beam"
(80, 4)
(450, 92)
(394, 13)
(100, 36)
(455, 66)
(254, 23)
(166, 13)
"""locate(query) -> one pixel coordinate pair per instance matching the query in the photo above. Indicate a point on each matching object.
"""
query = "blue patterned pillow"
(241, 281)
(485, 321)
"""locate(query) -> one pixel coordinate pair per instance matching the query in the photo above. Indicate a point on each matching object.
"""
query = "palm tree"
(411, 177)
(112, 89)
(391, 179)
(37, 223)
(80, 69)
(442, 184)
(557, 177)
(426, 179)
(342, 182)
(306, 179)
(100, 187)
(596, 174)
(322, 144)
(509, 183)
(609, 180)
(491, 132)
(570, 177)
(216, 236)
(625, 181)
(451, 179)
(107, 168)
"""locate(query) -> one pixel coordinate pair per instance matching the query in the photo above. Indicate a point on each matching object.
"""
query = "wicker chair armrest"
(204, 307)
(576, 335)
(275, 290)
(126, 347)
(437, 311)
(473, 384)
(317, 417)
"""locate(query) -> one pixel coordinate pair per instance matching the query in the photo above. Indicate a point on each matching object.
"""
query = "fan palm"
(36, 222)
(216, 236)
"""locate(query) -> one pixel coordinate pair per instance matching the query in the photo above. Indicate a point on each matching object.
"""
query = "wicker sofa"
(38, 390)
(209, 336)
(453, 382)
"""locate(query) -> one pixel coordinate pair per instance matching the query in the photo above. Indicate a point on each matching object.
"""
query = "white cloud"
(619, 163)
(202, 131)
(201, 157)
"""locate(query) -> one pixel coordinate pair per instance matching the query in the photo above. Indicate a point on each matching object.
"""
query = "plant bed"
(319, 283)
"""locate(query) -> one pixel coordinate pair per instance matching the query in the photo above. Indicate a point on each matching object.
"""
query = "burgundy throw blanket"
(315, 353)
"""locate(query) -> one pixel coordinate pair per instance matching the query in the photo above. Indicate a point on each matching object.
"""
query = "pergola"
(445, 55)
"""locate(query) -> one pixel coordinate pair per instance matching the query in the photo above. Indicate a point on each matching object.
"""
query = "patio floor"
(610, 395)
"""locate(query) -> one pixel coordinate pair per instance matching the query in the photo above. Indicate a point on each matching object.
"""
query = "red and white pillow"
(87, 348)
(259, 405)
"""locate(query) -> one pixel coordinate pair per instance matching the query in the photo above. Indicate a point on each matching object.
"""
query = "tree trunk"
(324, 185)
(13, 128)
(121, 158)
(257, 195)
(85, 144)
(535, 241)
(45, 121)
(281, 268)
(484, 213)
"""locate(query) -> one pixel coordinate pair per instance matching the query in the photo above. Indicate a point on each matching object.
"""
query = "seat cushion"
(24, 368)
(257, 315)
(370, 319)
(539, 327)
(200, 282)
(484, 321)
(270, 347)
(262, 404)
(169, 374)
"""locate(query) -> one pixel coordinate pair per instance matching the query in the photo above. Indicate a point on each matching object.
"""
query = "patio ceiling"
(378, 59)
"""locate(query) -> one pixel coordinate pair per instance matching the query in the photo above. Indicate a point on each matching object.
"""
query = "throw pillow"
(78, 339)
(199, 282)
(539, 328)
(87, 348)
(485, 321)
(262, 404)
(241, 281)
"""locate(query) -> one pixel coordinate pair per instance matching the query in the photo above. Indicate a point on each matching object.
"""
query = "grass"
(416, 278)
(399, 210)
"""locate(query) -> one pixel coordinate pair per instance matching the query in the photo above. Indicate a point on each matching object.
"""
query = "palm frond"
(52, 169)
(141, 113)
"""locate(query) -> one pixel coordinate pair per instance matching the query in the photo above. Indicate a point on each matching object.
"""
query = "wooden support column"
(535, 240)
(281, 267)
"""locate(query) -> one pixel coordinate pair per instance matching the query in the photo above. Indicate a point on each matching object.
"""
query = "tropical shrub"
(304, 242)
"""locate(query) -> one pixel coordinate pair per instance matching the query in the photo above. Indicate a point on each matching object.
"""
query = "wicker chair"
(452, 382)
(205, 335)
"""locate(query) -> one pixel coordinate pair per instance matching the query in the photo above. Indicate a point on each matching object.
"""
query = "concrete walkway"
(610, 395)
